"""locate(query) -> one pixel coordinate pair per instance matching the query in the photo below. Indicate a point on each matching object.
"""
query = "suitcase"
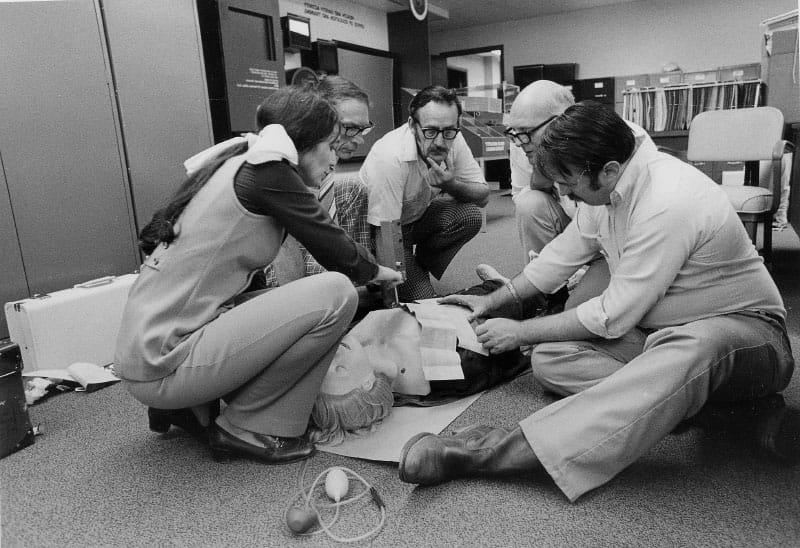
(16, 431)
(73, 325)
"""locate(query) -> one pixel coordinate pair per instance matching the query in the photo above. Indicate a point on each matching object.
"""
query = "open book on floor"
(87, 377)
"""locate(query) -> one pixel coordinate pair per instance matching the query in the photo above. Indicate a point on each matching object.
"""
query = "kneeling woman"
(188, 335)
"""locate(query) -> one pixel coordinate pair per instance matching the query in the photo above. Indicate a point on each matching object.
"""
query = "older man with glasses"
(423, 174)
(345, 198)
(541, 214)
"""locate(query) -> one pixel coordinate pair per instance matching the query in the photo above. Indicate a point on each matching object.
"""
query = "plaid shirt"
(349, 210)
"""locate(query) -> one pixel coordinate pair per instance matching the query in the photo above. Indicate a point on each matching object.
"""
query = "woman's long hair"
(308, 120)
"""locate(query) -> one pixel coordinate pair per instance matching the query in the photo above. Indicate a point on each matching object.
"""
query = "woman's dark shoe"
(160, 420)
(276, 450)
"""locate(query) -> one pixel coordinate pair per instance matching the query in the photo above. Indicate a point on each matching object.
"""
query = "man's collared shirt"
(676, 249)
(397, 178)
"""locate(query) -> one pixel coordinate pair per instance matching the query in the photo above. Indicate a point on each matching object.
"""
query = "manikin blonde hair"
(359, 411)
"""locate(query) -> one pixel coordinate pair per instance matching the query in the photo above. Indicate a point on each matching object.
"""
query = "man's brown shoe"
(428, 459)
(424, 458)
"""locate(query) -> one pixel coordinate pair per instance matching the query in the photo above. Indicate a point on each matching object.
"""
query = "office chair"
(753, 136)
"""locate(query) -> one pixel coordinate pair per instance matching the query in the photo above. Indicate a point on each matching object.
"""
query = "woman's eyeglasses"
(352, 131)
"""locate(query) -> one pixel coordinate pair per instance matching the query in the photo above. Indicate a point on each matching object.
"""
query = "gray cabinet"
(157, 60)
(79, 162)
(61, 146)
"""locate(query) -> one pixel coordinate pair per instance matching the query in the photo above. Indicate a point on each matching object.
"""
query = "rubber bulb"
(336, 484)
(300, 519)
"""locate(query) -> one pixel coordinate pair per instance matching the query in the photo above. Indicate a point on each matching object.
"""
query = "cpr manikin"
(379, 356)
(379, 361)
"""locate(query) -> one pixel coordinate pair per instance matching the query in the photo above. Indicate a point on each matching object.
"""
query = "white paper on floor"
(386, 442)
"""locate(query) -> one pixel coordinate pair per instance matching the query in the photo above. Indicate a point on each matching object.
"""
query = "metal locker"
(61, 145)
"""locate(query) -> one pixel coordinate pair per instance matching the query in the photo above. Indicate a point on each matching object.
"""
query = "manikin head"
(356, 393)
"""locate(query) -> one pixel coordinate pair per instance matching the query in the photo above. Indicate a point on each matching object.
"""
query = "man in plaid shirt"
(344, 198)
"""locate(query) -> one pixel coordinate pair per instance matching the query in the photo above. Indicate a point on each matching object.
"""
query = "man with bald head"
(541, 214)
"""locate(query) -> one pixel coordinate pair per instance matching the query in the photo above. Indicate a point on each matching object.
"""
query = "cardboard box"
(663, 79)
(740, 72)
(482, 104)
(635, 81)
(721, 168)
(700, 77)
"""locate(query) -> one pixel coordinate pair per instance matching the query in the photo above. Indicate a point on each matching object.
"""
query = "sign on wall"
(342, 20)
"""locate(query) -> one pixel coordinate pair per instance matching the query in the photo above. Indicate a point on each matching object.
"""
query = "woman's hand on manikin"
(387, 276)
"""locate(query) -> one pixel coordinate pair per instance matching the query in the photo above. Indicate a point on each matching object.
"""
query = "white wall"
(630, 38)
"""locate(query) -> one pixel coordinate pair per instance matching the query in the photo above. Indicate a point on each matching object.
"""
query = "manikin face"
(349, 369)
(315, 164)
(353, 115)
(434, 116)
(354, 366)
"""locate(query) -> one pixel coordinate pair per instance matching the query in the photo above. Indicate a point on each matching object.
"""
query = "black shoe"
(765, 422)
(276, 450)
(778, 434)
(160, 420)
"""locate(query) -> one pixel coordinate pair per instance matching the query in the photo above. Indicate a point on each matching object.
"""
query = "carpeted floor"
(98, 477)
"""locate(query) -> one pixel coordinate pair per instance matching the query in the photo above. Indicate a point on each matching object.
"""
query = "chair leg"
(752, 230)
(767, 252)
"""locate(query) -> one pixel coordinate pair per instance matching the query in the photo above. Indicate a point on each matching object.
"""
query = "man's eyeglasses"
(570, 184)
(352, 131)
(520, 138)
(448, 133)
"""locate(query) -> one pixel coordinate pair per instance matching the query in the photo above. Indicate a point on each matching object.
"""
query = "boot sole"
(406, 448)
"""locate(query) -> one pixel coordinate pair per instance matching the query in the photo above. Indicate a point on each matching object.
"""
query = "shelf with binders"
(668, 111)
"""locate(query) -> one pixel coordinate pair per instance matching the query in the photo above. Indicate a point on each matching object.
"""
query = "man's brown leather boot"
(428, 459)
